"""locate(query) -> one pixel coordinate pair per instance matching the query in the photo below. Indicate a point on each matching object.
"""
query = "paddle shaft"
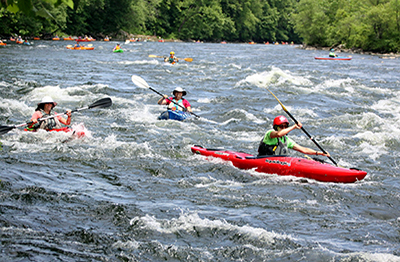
(152, 89)
(302, 128)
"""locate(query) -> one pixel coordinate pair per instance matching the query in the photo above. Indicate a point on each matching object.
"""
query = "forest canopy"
(372, 25)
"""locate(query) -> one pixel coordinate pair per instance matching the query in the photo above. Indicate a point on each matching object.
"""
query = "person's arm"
(163, 100)
(309, 151)
(187, 105)
(36, 116)
(64, 121)
(285, 131)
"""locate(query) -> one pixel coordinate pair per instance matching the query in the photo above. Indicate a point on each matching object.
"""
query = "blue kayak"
(174, 115)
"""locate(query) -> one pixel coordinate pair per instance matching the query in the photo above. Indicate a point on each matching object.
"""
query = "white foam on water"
(11, 106)
(275, 76)
(189, 221)
(138, 62)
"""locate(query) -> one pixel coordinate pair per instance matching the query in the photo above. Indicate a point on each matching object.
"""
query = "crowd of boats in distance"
(18, 40)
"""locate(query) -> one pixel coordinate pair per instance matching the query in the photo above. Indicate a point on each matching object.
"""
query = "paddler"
(171, 59)
(44, 109)
(117, 47)
(332, 53)
(276, 142)
(178, 93)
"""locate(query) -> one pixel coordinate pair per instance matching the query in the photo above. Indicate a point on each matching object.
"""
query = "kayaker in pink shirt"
(177, 99)
(44, 109)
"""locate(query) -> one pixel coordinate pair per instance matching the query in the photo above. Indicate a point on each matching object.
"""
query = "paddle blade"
(156, 56)
(140, 82)
(90, 45)
(127, 42)
(104, 102)
(188, 59)
(5, 129)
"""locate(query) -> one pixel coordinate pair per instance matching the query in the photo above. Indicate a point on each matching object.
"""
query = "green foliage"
(370, 25)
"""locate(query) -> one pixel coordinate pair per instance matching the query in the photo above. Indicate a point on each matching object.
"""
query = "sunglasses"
(283, 126)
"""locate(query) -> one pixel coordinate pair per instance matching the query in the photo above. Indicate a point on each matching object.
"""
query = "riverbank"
(340, 49)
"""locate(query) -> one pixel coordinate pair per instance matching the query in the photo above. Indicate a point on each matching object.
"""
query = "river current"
(131, 190)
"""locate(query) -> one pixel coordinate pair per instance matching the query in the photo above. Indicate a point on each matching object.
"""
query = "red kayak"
(333, 58)
(76, 133)
(286, 166)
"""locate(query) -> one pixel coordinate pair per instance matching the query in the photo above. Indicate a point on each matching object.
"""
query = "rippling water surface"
(131, 190)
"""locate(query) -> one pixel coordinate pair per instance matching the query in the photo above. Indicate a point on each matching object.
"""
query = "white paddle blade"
(140, 82)
(127, 42)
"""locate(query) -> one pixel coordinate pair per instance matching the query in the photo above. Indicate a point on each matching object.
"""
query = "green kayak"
(118, 51)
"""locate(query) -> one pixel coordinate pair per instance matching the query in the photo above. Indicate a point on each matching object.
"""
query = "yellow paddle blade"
(158, 56)
(90, 45)
(188, 59)
(69, 45)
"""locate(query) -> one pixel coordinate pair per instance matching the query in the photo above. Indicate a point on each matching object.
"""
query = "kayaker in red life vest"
(171, 59)
(276, 142)
(178, 94)
(44, 109)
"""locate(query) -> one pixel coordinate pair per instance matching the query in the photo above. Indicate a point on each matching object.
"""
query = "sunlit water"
(131, 190)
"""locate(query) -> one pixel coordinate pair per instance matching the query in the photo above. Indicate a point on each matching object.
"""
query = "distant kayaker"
(117, 47)
(171, 59)
(44, 109)
(177, 98)
(332, 53)
(276, 142)
(77, 45)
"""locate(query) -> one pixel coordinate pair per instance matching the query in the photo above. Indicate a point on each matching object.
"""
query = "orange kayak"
(18, 42)
(68, 39)
(80, 48)
(3, 44)
(36, 38)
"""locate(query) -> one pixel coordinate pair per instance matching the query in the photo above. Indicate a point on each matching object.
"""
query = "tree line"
(372, 25)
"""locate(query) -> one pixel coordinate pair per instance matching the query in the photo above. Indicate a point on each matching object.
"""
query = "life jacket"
(278, 149)
(332, 54)
(172, 106)
(51, 123)
(171, 60)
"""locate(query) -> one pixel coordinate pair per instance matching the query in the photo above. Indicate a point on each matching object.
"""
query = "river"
(131, 190)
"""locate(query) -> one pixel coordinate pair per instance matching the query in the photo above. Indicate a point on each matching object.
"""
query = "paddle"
(302, 128)
(104, 102)
(140, 82)
(187, 59)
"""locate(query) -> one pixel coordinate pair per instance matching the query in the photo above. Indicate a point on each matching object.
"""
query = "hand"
(298, 125)
(318, 153)
(68, 113)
